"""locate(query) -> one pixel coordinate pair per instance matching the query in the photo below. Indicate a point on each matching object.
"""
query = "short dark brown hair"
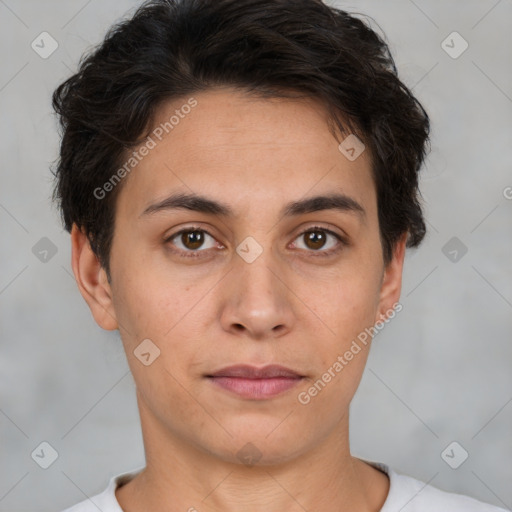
(272, 48)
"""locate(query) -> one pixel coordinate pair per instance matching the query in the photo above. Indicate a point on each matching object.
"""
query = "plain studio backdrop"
(438, 384)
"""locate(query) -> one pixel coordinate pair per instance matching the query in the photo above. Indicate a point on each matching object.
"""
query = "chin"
(259, 448)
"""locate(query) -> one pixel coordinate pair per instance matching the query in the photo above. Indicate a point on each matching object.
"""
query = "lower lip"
(256, 389)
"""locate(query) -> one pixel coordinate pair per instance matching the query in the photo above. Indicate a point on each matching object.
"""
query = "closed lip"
(245, 371)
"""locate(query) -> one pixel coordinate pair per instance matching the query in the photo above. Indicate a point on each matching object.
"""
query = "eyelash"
(197, 253)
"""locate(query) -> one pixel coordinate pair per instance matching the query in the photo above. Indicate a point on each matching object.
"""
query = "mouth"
(255, 383)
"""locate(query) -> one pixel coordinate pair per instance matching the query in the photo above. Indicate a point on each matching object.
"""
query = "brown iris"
(315, 238)
(195, 239)
(192, 239)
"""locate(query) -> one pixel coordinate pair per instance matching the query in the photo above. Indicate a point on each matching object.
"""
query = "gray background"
(439, 372)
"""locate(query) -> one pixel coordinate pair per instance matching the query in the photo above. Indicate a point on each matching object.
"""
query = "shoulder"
(105, 501)
(411, 495)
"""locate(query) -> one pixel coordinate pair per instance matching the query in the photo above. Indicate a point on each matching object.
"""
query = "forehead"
(234, 117)
(225, 142)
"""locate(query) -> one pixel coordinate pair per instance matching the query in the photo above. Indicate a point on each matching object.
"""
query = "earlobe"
(392, 281)
(92, 280)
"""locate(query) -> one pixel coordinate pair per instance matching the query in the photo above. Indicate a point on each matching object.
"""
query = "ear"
(92, 280)
(391, 285)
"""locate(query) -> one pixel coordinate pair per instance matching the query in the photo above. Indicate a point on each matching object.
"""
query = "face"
(254, 274)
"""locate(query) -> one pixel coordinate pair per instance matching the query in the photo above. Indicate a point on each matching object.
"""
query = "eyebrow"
(202, 204)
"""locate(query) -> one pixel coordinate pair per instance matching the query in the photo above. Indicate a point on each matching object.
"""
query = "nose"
(256, 300)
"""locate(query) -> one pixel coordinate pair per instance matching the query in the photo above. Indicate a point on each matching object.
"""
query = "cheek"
(350, 301)
(150, 311)
(155, 312)
(165, 311)
(146, 303)
(342, 353)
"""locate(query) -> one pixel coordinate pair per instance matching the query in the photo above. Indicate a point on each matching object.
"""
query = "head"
(240, 179)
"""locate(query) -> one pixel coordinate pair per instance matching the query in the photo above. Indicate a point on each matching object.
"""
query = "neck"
(180, 476)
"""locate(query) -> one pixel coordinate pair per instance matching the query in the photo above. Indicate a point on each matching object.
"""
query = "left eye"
(192, 241)
(316, 239)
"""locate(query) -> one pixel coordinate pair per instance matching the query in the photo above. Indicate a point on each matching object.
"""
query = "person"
(240, 182)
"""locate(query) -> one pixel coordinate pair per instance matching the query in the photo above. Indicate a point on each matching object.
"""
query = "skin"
(287, 307)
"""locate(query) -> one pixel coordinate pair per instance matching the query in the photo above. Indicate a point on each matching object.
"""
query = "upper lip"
(253, 372)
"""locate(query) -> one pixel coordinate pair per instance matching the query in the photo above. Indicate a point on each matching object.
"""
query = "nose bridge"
(258, 300)
(258, 276)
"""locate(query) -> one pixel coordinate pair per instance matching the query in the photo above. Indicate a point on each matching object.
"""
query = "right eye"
(191, 240)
